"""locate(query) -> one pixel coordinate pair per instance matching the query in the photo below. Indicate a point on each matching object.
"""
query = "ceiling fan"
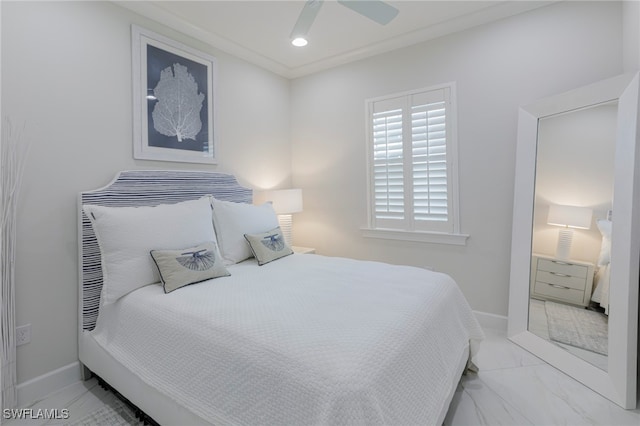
(376, 10)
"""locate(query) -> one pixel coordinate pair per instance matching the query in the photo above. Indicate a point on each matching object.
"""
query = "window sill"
(417, 236)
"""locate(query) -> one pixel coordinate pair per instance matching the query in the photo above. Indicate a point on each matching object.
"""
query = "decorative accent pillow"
(233, 220)
(126, 235)
(604, 226)
(179, 268)
(268, 246)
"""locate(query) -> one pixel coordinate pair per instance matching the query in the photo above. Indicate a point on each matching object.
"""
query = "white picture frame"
(173, 100)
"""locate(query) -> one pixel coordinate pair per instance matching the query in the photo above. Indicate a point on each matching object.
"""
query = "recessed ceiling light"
(299, 42)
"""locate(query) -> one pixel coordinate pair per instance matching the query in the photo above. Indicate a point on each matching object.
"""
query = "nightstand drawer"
(559, 279)
(564, 268)
(567, 294)
(568, 281)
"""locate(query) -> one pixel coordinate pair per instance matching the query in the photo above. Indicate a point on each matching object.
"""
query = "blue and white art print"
(173, 100)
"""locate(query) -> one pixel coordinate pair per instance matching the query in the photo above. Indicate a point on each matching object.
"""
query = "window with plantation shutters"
(412, 161)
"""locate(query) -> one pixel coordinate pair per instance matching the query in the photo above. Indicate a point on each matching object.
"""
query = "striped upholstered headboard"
(141, 188)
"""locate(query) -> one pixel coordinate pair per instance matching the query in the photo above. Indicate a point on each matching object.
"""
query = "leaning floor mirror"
(575, 256)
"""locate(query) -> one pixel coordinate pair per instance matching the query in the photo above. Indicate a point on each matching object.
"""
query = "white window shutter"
(429, 161)
(388, 158)
(410, 170)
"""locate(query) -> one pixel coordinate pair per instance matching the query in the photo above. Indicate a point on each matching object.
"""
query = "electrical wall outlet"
(23, 334)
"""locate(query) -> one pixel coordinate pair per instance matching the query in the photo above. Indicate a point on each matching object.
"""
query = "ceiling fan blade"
(376, 10)
(306, 18)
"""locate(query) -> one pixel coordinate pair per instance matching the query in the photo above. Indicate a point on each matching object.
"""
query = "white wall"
(631, 35)
(67, 73)
(497, 68)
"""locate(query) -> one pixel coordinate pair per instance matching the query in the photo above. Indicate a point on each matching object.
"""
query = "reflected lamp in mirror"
(285, 203)
(570, 218)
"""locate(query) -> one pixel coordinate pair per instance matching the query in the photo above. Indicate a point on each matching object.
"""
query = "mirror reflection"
(571, 235)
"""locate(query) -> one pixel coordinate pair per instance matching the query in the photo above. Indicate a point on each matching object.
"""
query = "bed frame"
(148, 188)
(136, 188)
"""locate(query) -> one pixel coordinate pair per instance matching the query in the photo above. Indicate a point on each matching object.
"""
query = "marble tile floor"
(512, 388)
(80, 399)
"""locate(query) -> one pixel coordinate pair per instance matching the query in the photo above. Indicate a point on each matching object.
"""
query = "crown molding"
(461, 23)
(155, 13)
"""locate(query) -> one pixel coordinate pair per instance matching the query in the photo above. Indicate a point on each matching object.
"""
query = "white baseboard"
(493, 321)
(41, 386)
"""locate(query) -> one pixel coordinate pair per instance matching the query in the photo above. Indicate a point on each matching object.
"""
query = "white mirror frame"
(618, 383)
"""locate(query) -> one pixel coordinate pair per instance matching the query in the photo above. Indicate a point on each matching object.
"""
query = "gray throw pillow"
(268, 246)
(179, 268)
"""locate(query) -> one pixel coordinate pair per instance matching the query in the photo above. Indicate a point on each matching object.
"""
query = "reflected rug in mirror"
(577, 327)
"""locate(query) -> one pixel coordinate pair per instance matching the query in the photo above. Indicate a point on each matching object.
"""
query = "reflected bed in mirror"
(573, 298)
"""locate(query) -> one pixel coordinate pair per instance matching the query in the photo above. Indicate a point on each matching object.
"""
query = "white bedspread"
(304, 340)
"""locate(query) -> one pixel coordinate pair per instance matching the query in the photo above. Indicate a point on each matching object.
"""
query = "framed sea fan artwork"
(173, 100)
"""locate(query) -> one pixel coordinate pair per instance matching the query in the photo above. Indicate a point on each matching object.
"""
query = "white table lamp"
(285, 203)
(570, 218)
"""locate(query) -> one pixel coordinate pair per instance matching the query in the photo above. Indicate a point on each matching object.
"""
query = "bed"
(299, 339)
(601, 280)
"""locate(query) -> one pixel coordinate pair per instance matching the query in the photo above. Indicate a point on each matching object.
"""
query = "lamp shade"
(286, 201)
(570, 216)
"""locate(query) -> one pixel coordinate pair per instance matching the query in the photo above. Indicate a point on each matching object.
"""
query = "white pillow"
(604, 226)
(126, 235)
(233, 220)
